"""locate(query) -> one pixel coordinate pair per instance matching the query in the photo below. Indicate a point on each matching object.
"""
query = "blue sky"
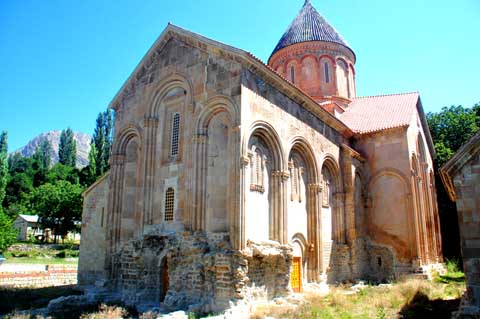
(62, 61)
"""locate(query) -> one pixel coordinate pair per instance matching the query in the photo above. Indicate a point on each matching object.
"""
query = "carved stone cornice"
(315, 187)
(284, 175)
(245, 160)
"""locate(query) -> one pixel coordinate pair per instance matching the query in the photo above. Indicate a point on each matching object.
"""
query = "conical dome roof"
(309, 25)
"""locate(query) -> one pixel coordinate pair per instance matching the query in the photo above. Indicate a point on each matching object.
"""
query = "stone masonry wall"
(51, 275)
(204, 273)
(467, 188)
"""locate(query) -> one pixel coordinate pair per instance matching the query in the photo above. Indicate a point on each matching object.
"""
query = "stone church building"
(230, 175)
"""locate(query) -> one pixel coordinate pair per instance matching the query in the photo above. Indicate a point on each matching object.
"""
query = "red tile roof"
(376, 113)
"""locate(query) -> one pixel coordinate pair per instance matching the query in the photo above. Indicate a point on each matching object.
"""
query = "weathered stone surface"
(461, 177)
(226, 178)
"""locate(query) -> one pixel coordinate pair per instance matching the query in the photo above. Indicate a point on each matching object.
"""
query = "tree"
(450, 129)
(102, 139)
(67, 149)
(60, 172)
(43, 154)
(88, 175)
(58, 205)
(8, 234)
(3, 166)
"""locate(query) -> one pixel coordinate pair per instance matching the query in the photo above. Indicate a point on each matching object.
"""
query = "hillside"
(83, 146)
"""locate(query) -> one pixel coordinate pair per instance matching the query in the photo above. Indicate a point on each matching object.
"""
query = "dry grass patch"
(408, 299)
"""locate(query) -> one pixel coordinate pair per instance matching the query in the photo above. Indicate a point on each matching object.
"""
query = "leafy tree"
(58, 205)
(102, 139)
(67, 149)
(42, 161)
(18, 189)
(8, 234)
(60, 172)
(88, 175)
(450, 129)
(3, 166)
(43, 154)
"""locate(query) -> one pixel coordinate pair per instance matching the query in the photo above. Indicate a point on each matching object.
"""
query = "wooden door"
(296, 275)
(165, 280)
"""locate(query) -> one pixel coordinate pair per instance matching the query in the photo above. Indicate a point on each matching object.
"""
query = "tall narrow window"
(258, 166)
(175, 134)
(292, 74)
(327, 75)
(169, 204)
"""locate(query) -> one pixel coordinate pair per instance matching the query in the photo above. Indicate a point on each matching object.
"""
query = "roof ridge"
(389, 94)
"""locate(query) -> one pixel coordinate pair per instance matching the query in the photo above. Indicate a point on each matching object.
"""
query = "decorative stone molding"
(245, 160)
(199, 139)
(150, 122)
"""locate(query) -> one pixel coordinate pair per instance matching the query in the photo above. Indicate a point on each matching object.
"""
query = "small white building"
(27, 225)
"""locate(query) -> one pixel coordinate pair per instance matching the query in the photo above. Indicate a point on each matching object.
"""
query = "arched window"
(296, 180)
(169, 204)
(175, 134)
(257, 166)
(327, 75)
(292, 74)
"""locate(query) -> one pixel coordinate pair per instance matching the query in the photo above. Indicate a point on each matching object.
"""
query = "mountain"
(83, 146)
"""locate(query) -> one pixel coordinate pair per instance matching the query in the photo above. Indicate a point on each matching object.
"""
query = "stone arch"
(342, 78)
(265, 213)
(299, 240)
(288, 70)
(331, 163)
(390, 218)
(124, 137)
(215, 172)
(300, 144)
(271, 137)
(351, 79)
(130, 218)
(176, 80)
(302, 213)
(308, 77)
(331, 220)
(215, 105)
(327, 74)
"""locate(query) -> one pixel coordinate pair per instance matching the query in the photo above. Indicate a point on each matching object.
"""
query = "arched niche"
(351, 82)
(259, 205)
(359, 202)
(309, 75)
(327, 75)
(263, 177)
(292, 72)
(327, 211)
(130, 217)
(301, 190)
(342, 79)
(389, 218)
(215, 167)
(218, 177)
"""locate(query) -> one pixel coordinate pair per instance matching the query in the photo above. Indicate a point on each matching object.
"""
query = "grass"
(453, 274)
(38, 254)
(412, 298)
